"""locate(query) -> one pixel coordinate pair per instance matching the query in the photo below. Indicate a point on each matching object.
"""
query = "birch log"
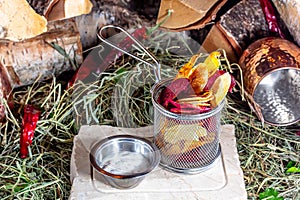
(27, 60)
(5, 90)
(290, 13)
(41, 7)
(106, 12)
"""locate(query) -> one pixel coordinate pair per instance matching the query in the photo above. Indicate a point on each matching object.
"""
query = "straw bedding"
(264, 151)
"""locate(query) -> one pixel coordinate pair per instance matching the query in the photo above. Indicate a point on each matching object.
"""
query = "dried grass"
(264, 150)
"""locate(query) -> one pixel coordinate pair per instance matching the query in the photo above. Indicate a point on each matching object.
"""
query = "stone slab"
(223, 181)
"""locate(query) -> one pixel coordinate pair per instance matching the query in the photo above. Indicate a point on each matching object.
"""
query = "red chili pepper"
(30, 118)
(94, 64)
(125, 44)
(270, 17)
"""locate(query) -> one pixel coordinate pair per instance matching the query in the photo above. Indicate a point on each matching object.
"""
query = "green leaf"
(293, 170)
(291, 164)
(269, 194)
(62, 51)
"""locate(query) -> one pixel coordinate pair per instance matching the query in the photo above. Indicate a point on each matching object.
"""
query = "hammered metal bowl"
(278, 94)
(123, 161)
(271, 73)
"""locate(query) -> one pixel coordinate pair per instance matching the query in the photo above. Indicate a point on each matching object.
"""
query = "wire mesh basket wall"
(188, 143)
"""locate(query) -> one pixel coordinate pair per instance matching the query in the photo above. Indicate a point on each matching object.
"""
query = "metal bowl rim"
(270, 72)
(151, 146)
(256, 85)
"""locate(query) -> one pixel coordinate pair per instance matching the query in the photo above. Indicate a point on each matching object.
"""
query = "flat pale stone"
(223, 181)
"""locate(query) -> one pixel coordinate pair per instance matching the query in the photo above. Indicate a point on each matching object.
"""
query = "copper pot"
(271, 74)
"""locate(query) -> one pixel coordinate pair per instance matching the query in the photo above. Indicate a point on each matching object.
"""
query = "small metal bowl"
(123, 161)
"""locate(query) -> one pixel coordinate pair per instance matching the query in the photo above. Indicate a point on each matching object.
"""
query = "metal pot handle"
(156, 67)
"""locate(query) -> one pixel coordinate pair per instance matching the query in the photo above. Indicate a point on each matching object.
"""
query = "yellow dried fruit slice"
(212, 62)
(185, 71)
(187, 133)
(199, 78)
(220, 88)
(19, 21)
(197, 99)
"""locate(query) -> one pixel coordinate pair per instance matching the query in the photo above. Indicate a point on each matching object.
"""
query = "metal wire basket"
(188, 143)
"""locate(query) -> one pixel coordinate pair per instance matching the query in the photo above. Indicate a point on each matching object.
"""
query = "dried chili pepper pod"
(30, 118)
(271, 18)
(93, 63)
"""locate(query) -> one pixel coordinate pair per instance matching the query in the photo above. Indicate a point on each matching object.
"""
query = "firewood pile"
(45, 43)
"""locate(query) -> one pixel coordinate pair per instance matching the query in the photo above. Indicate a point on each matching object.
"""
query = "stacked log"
(34, 58)
(107, 12)
(5, 92)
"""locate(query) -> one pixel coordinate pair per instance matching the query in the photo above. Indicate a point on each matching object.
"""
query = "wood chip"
(19, 21)
(65, 9)
(188, 14)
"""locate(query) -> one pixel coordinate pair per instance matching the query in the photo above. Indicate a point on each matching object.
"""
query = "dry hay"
(264, 151)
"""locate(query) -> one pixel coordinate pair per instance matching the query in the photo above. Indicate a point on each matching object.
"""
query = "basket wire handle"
(156, 67)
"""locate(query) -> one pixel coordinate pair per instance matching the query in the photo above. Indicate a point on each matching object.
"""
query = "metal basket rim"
(170, 114)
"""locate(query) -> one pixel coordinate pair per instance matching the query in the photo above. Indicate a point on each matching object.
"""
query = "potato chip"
(178, 133)
(198, 99)
(176, 136)
(199, 78)
(220, 88)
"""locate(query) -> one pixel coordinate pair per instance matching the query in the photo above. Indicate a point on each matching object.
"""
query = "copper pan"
(271, 74)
